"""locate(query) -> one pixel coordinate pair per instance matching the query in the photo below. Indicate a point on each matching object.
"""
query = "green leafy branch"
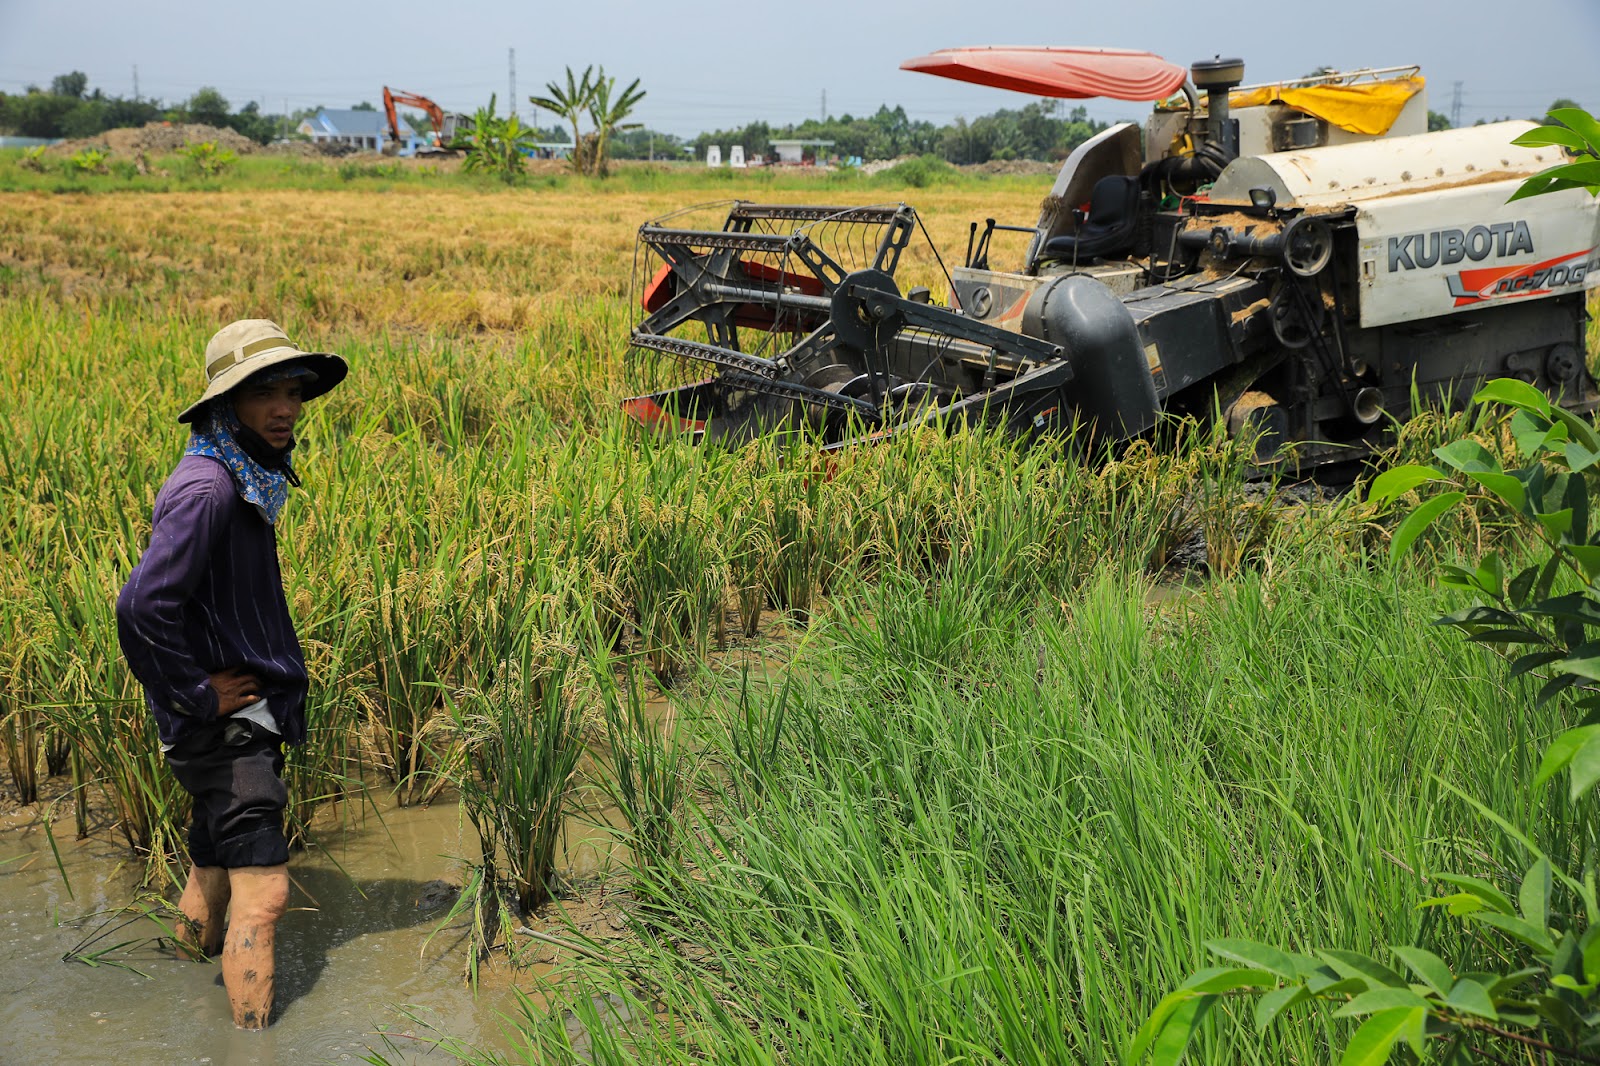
(1430, 1004)
(1542, 627)
(1576, 131)
(1540, 618)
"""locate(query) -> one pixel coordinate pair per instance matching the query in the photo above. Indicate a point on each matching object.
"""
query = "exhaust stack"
(1217, 76)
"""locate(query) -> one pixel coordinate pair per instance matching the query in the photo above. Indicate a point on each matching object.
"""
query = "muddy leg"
(260, 895)
(204, 904)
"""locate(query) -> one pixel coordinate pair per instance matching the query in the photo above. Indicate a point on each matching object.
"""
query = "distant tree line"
(69, 109)
(1037, 130)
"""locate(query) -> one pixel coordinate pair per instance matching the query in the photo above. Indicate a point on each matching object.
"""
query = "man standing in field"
(205, 626)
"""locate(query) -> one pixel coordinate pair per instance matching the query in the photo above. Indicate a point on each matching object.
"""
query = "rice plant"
(648, 765)
(522, 746)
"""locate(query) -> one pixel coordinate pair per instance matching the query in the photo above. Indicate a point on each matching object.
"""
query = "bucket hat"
(245, 348)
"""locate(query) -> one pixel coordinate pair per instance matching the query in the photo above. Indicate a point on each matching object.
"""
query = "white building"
(794, 152)
(365, 130)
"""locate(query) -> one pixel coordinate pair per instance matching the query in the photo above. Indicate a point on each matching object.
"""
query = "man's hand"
(235, 690)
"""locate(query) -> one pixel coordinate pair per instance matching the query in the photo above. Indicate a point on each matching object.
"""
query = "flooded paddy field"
(363, 963)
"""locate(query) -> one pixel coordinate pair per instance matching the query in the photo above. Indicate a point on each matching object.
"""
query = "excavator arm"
(434, 112)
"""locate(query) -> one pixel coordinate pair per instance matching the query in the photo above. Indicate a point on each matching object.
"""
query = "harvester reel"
(1307, 246)
(809, 323)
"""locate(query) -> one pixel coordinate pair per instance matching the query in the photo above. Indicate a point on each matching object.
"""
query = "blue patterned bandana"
(213, 435)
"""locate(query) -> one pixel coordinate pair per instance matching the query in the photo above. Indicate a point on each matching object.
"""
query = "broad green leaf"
(1456, 577)
(1591, 954)
(1428, 966)
(1477, 886)
(1251, 953)
(1575, 606)
(1533, 661)
(1505, 486)
(1580, 122)
(1305, 966)
(1514, 392)
(1518, 588)
(1535, 936)
(1214, 980)
(1491, 576)
(1530, 431)
(1469, 997)
(1580, 458)
(1415, 1033)
(1481, 615)
(1534, 896)
(1582, 431)
(1459, 903)
(1585, 171)
(1556, 523)
(1540, 184)
(1419, 520)
(1588, 556)
(1586, 668)
(1555, 687)
(1468, 456)
(1502, 984)
(1371, 1044)
(1548, 135)
(1380, 999)
(1323, 985)
(1561, 750)
(1571, 984)
(1584, 768)
(1156, 1023)
(1507, 636)
(1173, 1040)
(1355, 964)
(1399, 480)
(1274, 1003)
(1552, 567)
(1558, 1012)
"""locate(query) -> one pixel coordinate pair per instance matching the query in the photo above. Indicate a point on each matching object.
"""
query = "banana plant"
(607, 114)
(570, 102)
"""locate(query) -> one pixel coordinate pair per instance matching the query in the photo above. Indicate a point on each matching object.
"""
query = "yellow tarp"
(1370, 107)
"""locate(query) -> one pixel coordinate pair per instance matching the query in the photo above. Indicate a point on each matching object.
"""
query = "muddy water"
(351, 952)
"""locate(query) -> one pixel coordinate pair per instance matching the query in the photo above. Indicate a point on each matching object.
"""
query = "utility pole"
(286, 118)
(513, 61)
(824, 118)
(136, 83)
(1455, 107)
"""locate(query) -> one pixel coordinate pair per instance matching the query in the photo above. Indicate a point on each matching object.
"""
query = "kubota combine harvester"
(1302, 259)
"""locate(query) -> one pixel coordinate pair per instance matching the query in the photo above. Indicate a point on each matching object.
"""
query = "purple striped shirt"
(207, 596)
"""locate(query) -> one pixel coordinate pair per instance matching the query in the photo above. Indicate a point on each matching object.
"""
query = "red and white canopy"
(1074, 73)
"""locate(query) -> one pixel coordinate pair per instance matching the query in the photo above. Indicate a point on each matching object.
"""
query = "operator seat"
(1110, 226)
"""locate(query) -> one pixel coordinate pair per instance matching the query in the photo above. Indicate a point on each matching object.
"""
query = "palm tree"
(570, 103)
(607, 114)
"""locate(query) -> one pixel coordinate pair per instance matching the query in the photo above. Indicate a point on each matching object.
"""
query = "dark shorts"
(234, 771)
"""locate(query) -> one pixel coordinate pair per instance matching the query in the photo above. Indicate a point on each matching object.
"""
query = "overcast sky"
(709, 64)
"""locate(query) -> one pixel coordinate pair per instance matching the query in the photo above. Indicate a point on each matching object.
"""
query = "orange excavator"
(444, 122)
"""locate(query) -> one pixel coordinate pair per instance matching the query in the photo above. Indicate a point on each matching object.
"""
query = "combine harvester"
(1302, 259)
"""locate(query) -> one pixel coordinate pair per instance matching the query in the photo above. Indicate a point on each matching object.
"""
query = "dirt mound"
(878, 166)
(1011, 166)
(159, 138)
